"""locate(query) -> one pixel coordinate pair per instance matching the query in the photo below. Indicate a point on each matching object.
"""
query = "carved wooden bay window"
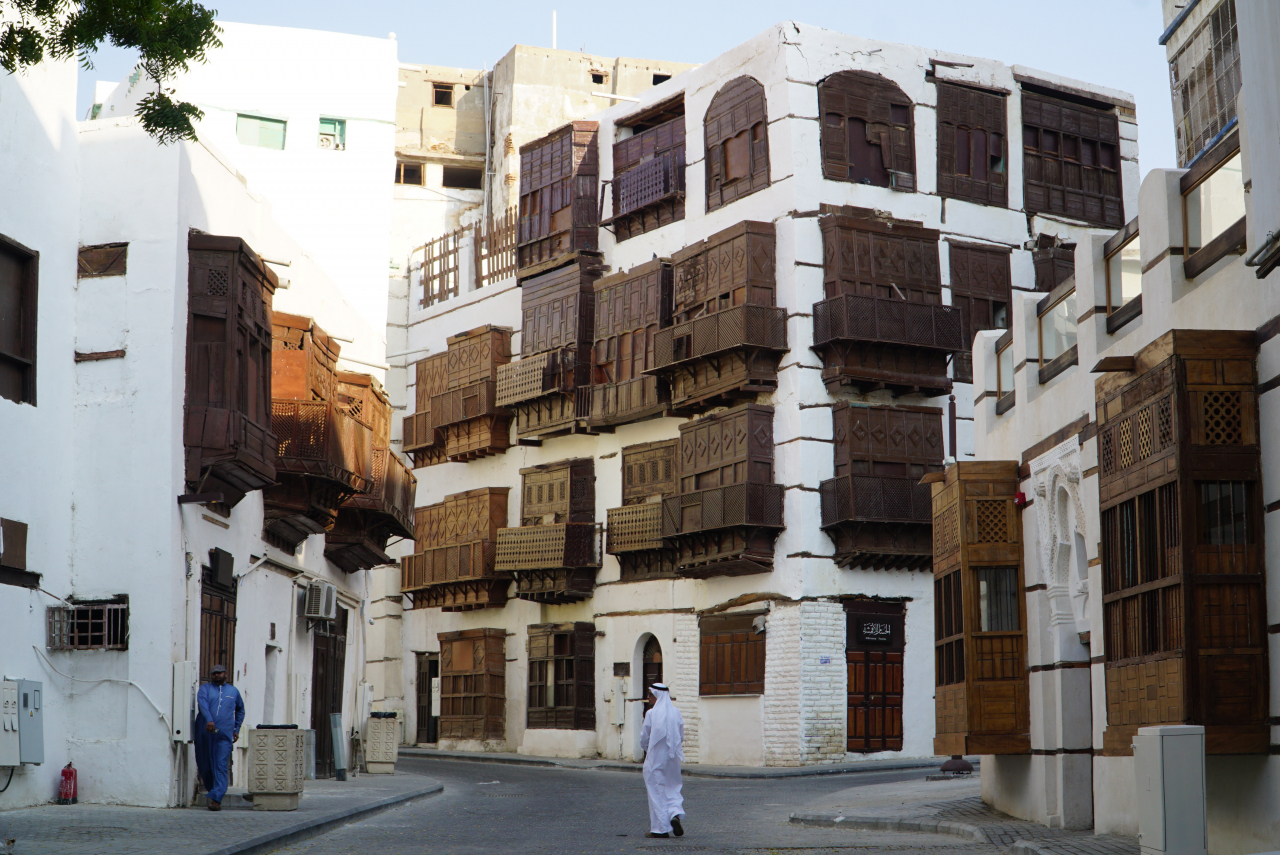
(458, 416)
(370, 518)
(736, 142)
(326, 454)
(634, 531)
(727, 511)
(230, 447)
(868, 134)
(559, 207)
(542, 387)
(473, 678)
(875, 510)
(1071, 160)
(562, 676)
(972, 128)
(453, 567)
(1054, 262)
(727, 335)
(731, 655)
(981, 289)
(648, 170)
(980, 616)
(631, 308)
(882, 324)
(554, 553)
(1184, 603)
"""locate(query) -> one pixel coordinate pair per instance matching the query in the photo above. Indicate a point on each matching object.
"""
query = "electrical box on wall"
(1169, 774)
(31, 722)
(186, 680)
(10, 751)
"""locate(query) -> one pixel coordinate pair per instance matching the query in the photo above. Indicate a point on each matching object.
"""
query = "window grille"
(1204, 76)
(89, 626)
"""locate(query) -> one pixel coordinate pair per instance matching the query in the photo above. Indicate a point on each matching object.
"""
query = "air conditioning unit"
(321, 602)
(330, 142)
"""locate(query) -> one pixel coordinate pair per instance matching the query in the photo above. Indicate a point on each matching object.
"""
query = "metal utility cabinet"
(1169, 774)
(10, 752)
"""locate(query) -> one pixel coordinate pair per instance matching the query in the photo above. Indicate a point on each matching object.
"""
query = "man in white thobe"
(662, 739)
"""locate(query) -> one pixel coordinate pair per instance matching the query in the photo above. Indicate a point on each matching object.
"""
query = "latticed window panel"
(873, 497)
(992, 520)
(634, 527)
(722, 507)
(997, 657)
(218, 283)
(1107, 451)
(855, 318)
(546, 547)
(946, 532)
(523, 379)
(1222, 417)
(440, 268)
(1143, 419)
(1164, 422)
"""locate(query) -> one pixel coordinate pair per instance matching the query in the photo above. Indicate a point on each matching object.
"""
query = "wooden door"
(873, 655)
(328, 666)
(217, 630)
(652, 670)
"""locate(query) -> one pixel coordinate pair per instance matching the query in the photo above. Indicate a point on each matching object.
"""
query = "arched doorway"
(651, 669)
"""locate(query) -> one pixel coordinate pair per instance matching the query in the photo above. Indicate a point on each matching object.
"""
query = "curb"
(965, 830)
(687, 771)
(315, 827)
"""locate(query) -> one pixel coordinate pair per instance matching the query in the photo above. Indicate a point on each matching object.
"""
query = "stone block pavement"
(120, 830)
(955, 808)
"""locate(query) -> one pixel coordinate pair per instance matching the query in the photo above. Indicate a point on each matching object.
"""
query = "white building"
(1142, 608)
(113, 571)
(796, 137)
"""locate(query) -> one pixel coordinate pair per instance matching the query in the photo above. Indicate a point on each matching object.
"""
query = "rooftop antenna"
(553, 29)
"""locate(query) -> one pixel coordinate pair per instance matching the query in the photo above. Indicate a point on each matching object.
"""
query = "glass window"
(1223, 515)
(442, 94)
(1004, 370)
(997, 599)
(1204, 77)
(1124, 274)
(333, 134)
(1058, 329)
(260, 132)
(1215, 204)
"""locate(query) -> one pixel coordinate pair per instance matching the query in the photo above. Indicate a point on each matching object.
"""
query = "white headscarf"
(664, 723)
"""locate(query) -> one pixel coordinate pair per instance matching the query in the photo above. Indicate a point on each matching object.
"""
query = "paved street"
(494, 809)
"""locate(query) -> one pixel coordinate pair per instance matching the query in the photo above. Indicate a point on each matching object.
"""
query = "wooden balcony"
(463, 404)
(391, 494)
(723, 507)
(742, 327)
(465, 596)
(551, 563)
(633, 528)
(367, 520)
(879, 522)
(226, 449)
(318, 439)
(621, 403)
(419, 433)
(872, 319)
(353, 547)
(439, 565)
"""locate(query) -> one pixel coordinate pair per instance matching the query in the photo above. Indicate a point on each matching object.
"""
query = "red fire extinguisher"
(67, 790)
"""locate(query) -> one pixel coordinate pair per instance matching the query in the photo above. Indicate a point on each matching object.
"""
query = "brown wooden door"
(873, 656)
(328, 665)
(217, 630)
(652, 670)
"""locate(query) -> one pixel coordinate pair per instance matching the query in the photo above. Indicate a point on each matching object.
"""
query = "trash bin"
(277, 766)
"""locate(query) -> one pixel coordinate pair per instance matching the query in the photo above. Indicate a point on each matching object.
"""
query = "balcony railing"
(318, 438)
(875, 498)
(523, 379)
(634, 527)
(469, 402)
(239, 451)
(391, 493)
(616, 403)
(723, 507)
(739, 327)
(544, 547)
(854, 318)
(651, 181)
(441, 564)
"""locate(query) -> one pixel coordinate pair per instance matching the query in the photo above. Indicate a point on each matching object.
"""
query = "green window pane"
(260, 132)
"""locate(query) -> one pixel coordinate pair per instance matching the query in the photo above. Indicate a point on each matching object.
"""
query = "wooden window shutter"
(738, 108)
(731, 656)
(868, 131)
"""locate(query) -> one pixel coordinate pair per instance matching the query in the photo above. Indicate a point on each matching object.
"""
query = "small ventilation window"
(409, 173)
(442, 94)
(89, 626)
(660, 78)
(597, 77)
(463, 178)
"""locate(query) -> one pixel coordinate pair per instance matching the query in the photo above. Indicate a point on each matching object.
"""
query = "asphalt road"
(490, 809)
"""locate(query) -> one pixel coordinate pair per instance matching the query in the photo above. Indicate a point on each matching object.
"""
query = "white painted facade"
(800, 718)
(94, 468)
(1085, 788)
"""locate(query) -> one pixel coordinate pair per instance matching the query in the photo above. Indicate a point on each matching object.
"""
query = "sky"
(1109, 42)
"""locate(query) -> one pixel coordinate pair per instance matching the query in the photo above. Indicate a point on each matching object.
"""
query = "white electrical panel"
(186, 681)
(618, 703)
(10, 747)
(1169, 774)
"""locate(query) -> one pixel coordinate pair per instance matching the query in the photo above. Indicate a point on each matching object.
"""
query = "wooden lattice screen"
(440, 268)
(495, 248)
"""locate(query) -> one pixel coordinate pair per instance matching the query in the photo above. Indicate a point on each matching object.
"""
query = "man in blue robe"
(221, 712)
